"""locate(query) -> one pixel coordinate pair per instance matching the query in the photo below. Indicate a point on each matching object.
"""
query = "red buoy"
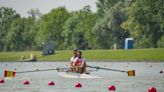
(51, 83)
(152, 89)
(78, 85)
(111, 88)
(161, 71)
(2, 81)
(26, 82)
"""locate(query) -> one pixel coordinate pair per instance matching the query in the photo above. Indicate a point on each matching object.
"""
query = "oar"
(130, 72)
(8, 73)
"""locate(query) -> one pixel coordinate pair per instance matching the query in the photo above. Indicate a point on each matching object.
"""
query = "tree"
(145, 22)
(161, 42)
(14, 38)
(21, 34)
(108, 29)
(105, 5)
(7, 16)
(51, 27)
(34, 13)
(77, 29)
(30, 30)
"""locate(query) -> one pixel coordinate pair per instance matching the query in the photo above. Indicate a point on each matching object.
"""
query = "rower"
(80, 63)
(72, 60)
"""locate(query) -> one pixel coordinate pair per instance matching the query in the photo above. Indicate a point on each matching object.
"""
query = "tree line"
(115, 20)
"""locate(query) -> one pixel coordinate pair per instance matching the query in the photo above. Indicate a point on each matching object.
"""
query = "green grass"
(118, 55)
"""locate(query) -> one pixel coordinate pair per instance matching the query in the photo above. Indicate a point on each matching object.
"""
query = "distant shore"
(150, 55)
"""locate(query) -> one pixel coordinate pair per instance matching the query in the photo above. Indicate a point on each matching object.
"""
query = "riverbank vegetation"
(114, 21)
(92, 55)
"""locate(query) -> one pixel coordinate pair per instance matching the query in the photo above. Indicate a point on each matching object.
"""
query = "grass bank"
(121, 55)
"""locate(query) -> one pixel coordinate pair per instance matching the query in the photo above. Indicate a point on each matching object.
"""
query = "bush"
(161, 42)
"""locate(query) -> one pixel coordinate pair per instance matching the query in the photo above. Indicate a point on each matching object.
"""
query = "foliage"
(91, 55)
(104, 5)
(114, 21)
(51, 27)
(108, 30)
(77, 29)
(145, 22)
(161, 42)
(34, 13)
(7, 17)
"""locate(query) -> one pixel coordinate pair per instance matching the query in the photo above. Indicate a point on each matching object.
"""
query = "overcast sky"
(22, 6)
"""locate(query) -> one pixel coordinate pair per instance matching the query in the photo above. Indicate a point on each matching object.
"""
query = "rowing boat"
(70, 74)
(66, 72)
(27, 60)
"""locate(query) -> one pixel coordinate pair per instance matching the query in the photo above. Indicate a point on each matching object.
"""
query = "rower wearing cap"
(72, 60)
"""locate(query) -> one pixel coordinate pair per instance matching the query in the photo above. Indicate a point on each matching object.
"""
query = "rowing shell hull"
(27, 60)
(76, 75)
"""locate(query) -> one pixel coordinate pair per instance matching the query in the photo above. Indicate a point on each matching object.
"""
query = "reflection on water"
(147, 75)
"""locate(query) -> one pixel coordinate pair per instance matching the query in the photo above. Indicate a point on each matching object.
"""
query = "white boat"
(26, 60)
(76, 75)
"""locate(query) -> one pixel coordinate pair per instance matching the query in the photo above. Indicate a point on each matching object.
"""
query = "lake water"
(147, 75)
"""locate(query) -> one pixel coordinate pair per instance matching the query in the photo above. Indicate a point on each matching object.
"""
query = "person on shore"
(22, 57)
(33, 57)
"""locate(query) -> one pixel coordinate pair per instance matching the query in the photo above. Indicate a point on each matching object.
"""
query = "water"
(147, 75)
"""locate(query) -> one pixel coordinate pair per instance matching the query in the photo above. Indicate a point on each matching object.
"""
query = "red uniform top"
(79, 61)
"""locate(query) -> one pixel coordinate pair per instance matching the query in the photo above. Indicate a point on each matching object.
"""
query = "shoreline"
(88, 61)
(132, 55)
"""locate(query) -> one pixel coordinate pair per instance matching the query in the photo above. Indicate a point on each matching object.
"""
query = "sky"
(45, 6)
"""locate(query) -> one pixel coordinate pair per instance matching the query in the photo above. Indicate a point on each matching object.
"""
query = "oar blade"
(9, 74)
(131, 73)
